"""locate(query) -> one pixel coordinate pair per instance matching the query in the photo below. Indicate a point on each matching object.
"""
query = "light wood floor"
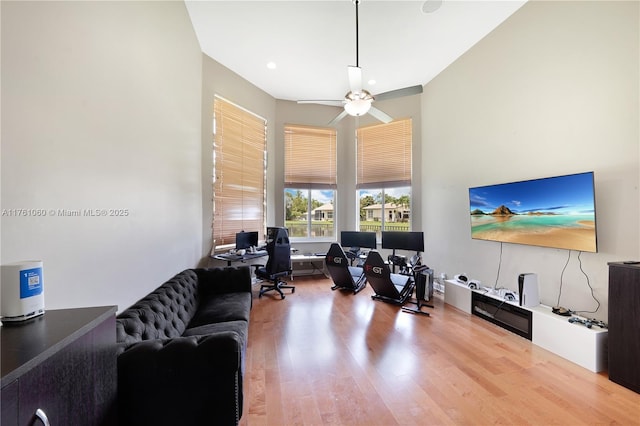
(322, 357)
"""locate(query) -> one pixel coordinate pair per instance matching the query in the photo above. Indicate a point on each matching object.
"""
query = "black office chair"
(279, 263)
(389, 287)
(344, 276)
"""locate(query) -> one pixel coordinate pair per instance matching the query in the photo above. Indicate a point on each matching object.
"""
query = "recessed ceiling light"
(371, 82)
(271, 65)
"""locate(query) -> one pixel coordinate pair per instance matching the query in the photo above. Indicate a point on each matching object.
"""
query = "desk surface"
(234, 257)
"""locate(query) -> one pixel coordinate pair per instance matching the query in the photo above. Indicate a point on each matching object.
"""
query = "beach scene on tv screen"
(552, 212)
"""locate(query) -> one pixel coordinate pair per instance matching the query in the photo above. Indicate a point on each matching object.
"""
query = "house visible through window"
(239, 168)
(383, 179)
(310, 181)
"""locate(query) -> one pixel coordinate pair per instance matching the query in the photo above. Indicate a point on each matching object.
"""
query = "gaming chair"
(279, 263)
(344, 276)
(389, 287)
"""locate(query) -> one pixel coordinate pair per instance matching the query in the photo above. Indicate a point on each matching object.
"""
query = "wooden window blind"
(310, 157)
(239, 167)
(384, 155)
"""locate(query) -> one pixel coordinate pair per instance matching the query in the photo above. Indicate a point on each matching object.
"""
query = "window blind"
(310, 157)
(239, 166)
(384, 155)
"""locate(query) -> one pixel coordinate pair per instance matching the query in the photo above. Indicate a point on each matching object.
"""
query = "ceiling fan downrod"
(357, 2)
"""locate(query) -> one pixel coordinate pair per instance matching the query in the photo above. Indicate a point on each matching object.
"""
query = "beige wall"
(101, 107)
(553, 90)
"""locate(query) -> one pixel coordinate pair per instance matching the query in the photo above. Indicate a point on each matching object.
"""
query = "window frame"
(238, 186)
(318, 172)
(376, 145)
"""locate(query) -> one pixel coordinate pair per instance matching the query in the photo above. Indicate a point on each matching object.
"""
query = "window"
(310, 181)
(239, 168)
(393, 214)
(383, 179)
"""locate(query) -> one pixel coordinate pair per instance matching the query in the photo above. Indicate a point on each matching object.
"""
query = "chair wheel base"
(276, 287)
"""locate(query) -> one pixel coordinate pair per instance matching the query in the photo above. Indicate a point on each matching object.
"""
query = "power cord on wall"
(588, 284)
(590, 288)
(495, 285)
(561, 277)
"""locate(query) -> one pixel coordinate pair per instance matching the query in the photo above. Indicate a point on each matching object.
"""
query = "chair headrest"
(375, 265)
(336, 256)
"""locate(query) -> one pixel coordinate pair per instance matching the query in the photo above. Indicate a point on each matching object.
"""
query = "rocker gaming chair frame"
(391, 288)
(344, 276)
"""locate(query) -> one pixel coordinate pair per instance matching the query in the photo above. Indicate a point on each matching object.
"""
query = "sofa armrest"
(224, 280)
(185, 380)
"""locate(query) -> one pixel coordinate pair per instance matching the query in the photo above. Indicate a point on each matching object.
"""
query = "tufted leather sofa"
(181, 350)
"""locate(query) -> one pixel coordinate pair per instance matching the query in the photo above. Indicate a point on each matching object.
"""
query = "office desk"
(315, 262)
(230, 258)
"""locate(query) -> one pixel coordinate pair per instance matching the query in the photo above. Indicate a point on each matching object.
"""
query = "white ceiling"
(313, 42)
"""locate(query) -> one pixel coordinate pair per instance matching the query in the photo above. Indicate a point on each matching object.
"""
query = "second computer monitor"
(403, 240)
(358, 239)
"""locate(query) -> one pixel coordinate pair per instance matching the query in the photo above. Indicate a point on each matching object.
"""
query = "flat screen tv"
(409, 240)
(245, 240)
(358, 239)
(558, 212)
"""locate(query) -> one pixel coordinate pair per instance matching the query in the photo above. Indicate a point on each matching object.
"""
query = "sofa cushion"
(163, 313)
(240, 327)
(223, 280)
(222, 308)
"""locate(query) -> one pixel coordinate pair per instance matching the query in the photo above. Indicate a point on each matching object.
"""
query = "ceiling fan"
(358, 101)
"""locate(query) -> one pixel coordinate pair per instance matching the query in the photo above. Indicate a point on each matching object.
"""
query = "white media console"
(584, 346)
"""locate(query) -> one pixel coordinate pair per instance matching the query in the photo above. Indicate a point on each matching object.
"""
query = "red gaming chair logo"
(375, 269)
(334, 259)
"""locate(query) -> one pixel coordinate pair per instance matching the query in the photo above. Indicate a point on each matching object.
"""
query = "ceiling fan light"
(358, 107)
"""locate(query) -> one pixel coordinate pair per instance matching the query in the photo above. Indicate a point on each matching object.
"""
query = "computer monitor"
(245, 240)
(411, 240)
(358, 239)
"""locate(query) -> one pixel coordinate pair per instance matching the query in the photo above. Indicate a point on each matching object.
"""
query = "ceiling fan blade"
(380, 115)
(338, 117)
(331, 102)
(407, 91)
(355, 79)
